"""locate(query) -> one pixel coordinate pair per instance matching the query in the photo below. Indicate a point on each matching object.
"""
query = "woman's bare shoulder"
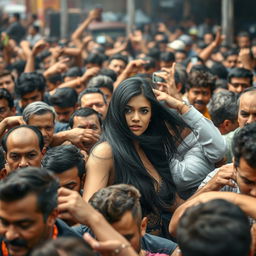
(102, 151)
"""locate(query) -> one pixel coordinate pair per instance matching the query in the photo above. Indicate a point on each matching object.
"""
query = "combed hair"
(101, 81)
(84, 112)
(223, 106)
(31, 180)
(244, 145)
(114, 201)
(29, 82)
(91, 90)
(119, 56)
(215, 228)
(61, 158)
(240, 73)
(37, 108)
(64, 97)
(157, 143)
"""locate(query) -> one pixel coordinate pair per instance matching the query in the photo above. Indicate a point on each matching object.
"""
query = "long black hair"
(157, 142)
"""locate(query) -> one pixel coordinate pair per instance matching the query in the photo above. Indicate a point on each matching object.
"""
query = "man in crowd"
(205, 229)
(239, 79)
(29, 88)
(118, 63)
(64, 101)
(95, 99)
(200, 87)
(6, 104)
(239, 177)
(23, 146)
(67, 163)
(223, 110)
(28, 211)
(7, 81)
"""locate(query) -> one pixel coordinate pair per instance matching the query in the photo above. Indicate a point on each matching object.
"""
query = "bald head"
(23, 146)
(247, 108)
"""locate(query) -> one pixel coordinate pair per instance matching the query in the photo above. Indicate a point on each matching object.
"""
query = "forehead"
(6, 78)
(248, 102)
(117, 62)
(139, 100)
(31, 94)
(22, 140)
(126, 225)
(62, 110)
(92, 119)
(68, 175)
(92, 97)
(246, 170)
(19, 209)
(200, 89)
(245, 80)
(45, 119)
(3, 103)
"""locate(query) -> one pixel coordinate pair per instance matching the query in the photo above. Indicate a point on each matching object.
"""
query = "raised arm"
(246, 203)
(98, 169)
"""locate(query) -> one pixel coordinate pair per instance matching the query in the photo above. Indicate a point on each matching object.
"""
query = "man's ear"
(52, 217)
(44, 151)
(3, 173)
(143, 226)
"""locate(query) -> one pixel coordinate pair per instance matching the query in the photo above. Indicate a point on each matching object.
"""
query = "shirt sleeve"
(209, 137)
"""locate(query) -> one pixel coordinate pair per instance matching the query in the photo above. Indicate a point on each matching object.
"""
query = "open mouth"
(135, 127)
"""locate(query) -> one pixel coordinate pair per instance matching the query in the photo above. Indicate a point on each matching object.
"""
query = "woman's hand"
(172, 102)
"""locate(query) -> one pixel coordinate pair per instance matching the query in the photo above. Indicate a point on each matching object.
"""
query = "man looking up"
(23, 146)
(28, 211)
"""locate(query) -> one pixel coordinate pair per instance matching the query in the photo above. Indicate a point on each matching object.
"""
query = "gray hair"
(101, 81)
(223, 106)
(37, 108)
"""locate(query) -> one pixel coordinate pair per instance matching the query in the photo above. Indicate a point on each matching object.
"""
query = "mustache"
(16, 242)
(200, 102)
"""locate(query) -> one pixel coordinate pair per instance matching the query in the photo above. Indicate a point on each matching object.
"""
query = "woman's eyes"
(144, 111)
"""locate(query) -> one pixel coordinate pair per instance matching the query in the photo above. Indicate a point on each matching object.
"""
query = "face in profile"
(138, 114)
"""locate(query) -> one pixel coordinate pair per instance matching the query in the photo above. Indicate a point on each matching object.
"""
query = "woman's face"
(138, 114)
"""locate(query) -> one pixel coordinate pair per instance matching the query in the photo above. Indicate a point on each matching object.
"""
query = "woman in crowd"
(141, 136)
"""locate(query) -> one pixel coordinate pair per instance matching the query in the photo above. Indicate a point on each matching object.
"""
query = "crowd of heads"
(61, 98)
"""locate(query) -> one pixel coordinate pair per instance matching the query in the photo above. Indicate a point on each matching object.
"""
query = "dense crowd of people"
(138, 145)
